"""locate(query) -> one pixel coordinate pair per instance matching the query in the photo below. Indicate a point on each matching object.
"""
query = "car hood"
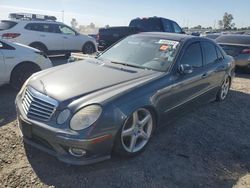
(84, 77)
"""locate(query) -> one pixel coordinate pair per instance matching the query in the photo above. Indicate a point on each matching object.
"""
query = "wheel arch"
(89, 42)
(39, 43)
(21, 64)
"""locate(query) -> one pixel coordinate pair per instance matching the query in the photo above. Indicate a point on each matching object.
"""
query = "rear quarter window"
(210, 53)
(4, 25)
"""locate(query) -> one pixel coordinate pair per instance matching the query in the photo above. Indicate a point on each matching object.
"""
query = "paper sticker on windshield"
(168, 42)
(164, 47)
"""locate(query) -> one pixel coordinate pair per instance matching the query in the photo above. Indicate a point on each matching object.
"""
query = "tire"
(135, 133)
(224, 89)
(21, 73)
(88, 48)
(40, 47)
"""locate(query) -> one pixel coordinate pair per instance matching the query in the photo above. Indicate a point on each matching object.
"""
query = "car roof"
(33, 21)
(234, 39)
(169, 36)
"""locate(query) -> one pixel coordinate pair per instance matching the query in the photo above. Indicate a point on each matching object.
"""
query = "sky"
(187, 13)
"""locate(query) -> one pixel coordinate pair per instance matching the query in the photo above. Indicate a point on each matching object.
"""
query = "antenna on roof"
(29, 16)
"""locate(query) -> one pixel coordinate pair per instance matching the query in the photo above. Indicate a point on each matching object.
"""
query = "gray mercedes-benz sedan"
(84, 111)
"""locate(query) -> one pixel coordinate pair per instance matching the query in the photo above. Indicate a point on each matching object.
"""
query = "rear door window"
(210, 52)
(193, 55)
(4, 25)
(167, 25)
(42, 27)
(177, 28)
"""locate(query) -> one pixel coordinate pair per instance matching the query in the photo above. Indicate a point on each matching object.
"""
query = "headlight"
(63, 116)
(85, 117)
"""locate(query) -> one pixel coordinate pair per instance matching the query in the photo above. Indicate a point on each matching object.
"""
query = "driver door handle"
(205, 75)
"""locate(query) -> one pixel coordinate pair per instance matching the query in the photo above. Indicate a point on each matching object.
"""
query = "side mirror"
(185, 69)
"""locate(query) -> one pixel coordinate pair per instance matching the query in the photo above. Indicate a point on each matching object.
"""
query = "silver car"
(238, 46)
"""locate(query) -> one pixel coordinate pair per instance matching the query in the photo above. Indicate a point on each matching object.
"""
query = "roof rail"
(29, 16)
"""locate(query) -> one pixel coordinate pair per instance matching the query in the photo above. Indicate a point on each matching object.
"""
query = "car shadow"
(7, 105)
(207, 147)
(242, 75)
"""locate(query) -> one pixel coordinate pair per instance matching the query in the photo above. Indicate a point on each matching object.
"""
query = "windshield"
(143, 52)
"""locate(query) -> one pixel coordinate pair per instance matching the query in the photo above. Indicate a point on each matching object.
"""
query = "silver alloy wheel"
(137, 130)
(225, 88)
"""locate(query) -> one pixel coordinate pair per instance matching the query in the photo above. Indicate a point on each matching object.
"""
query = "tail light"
(10, 35)
(245, 51)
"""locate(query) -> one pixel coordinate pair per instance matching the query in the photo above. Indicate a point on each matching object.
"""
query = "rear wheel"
(135, 133)
(88, 48)
(40, 47)
(222, 94)
(21, 73)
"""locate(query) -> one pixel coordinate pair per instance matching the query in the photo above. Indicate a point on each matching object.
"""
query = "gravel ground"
(208, 147)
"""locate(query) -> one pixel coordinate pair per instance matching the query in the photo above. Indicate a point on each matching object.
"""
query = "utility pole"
(63, 16)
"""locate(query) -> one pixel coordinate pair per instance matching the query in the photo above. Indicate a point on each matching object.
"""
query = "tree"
(197, 27)
(92, 25)
(74, 23)
(226, 22)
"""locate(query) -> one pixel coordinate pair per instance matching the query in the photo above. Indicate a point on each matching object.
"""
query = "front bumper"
(57, 142)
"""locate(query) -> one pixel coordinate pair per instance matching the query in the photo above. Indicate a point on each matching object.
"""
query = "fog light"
(77, 152)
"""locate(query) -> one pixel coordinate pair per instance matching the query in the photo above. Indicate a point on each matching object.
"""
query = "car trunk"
(235, 50)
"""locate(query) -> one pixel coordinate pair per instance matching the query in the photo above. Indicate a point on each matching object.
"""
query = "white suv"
(50, 37)
(18, 62)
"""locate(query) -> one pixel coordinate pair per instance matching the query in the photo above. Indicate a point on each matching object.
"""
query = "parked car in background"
(18, 62)
(44, 33)
(238, 46)
(110, 35)
(138, 84)
(212, 36)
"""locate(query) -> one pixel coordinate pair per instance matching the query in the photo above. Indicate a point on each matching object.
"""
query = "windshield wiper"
(129, 65)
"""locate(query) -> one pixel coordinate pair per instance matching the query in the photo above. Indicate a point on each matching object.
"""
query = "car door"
(45, 34)
(2, 66)
(185, 87)
(213, 64)
(70, 38)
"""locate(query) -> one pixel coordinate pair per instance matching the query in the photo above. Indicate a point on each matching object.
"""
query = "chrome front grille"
(37, 105)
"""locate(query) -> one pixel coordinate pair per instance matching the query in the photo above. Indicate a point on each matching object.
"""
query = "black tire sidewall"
(84, 48)
(24, 71)
(40, 47)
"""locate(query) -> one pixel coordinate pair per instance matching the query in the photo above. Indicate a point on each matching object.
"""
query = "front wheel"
(21, 73)
(135, 133)
(222, 93)
(88, 48)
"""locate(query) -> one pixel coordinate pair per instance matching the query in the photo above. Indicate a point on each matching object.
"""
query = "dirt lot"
(209, 147)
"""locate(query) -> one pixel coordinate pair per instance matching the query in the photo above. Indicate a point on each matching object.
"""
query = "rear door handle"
(65, 37)
(42, 35)
(204, 75)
